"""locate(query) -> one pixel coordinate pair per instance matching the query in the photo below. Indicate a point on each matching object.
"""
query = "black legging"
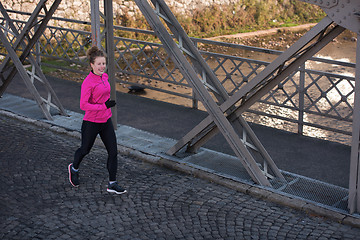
(89, 131)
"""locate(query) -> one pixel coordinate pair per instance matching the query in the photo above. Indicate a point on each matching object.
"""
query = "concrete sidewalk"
(147, 129)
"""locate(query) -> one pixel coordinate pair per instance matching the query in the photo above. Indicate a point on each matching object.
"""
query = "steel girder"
(346, 13)
(225, 115)
(205, 83)
(274, 73)
(24, 42)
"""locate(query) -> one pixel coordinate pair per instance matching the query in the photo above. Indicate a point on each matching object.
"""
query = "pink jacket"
(95, 91)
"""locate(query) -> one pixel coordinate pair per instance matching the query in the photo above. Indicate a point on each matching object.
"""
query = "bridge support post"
(97, 37)
(354, 178)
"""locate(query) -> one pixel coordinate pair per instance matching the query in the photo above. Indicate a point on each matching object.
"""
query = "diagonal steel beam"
(210, 80)
(185, 44)
(264, 82)
(21, 36)
(44, 104)
(177, 55)
(24, 75)
(283, 74)
(33, 40)
(33, 62)
(208, 75)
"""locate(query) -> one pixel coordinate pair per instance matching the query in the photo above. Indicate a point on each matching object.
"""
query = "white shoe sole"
(113, 191)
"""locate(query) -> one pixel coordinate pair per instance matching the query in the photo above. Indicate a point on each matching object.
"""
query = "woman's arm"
(85, 105)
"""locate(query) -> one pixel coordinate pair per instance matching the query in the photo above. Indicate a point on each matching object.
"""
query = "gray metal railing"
(306, 101)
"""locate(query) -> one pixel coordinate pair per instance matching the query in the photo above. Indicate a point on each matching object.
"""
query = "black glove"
(110, 103)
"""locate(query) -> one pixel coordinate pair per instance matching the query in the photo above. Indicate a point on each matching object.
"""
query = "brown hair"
(93, 53)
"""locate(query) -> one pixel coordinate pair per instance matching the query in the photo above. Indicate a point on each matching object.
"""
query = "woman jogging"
(95, 101)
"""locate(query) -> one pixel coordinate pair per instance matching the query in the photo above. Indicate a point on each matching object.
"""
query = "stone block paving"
(38, 202)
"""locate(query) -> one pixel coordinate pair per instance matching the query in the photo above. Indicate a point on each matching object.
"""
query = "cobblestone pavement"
(38, 202)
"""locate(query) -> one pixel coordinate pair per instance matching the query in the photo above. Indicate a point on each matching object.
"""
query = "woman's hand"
(110, 103)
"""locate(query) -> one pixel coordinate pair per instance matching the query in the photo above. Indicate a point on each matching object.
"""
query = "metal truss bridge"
(224, 110)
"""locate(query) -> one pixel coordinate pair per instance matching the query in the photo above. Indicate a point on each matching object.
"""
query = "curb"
(252, 190)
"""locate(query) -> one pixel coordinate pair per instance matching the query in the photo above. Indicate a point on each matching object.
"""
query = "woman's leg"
(108, 137)
(89, 131)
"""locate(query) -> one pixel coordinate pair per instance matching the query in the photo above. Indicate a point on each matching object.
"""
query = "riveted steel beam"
(323, 3)
(199, 75)
(345, 13)
(266, 80)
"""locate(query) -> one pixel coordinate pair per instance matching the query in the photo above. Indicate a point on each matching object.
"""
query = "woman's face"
(99, 65)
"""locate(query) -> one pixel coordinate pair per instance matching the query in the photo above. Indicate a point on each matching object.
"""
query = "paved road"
(37, 202)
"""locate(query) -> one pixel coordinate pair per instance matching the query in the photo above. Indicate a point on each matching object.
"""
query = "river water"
(344, 51)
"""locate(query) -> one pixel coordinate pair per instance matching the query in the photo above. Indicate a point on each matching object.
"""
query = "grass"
(244, 16)
(48, 70)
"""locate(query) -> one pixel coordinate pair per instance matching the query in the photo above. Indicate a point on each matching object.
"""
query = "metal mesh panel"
(329, 94)
(297, 186)
(64, 44)
(233, 72)
(313, 190)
